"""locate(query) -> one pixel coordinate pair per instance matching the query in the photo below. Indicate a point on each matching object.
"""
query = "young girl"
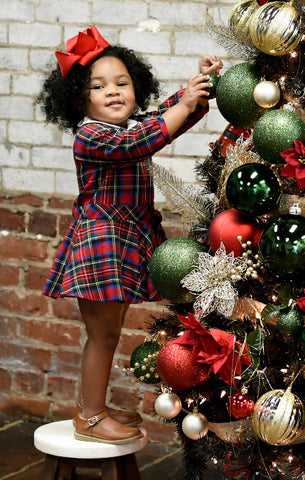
(96, 91)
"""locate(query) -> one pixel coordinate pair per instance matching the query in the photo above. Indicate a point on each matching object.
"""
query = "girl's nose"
(111, 89)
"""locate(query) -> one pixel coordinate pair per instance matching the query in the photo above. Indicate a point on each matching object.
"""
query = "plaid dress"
(107, 248)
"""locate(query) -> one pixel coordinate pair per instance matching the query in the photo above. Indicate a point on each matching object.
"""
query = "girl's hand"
(195, 92)
(210, 64)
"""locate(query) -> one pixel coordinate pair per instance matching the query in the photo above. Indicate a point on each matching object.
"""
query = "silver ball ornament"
(168, 405)
(195, 426)
(267, 94)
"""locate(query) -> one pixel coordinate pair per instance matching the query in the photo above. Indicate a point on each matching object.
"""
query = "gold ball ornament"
(278, 417)
(267, 94)
(239, 19)
(275, 28)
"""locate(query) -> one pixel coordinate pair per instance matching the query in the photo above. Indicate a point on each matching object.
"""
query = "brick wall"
(41, 339)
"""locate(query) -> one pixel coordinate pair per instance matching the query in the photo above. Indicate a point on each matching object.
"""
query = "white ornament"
(168, 405)
(195, 426)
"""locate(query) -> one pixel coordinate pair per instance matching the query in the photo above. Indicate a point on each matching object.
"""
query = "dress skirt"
(105, 253)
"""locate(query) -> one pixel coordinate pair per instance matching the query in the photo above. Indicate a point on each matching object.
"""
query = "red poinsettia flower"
(216, 348)
(301, 303)
(295, 157)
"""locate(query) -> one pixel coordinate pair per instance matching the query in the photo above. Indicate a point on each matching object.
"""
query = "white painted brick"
(3, 33)
(42, 60)
(13, 58)
(67, 140)
(3, 127)
(64, 11)
(66, 183)
(33, 133)
(119, 12)
(174, 68)
(178, 13)
(56, 158)
(17, 108)
(14, 156)
(27, 84)
(180, 167)
(38, 181)
(147, 42)
(215, 121)
(35, 35)
(20, 10)
(192, 145)
(5, 79)
(188, 43)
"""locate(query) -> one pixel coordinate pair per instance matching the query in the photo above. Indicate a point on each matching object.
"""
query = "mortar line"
(21, 470)
(155, 462)
(10, 425)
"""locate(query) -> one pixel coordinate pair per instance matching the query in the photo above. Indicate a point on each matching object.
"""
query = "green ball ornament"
(144, 362)
(170, 263)
(214, 79)
(282, 246)
(253, 188)
(234, 95)
(290, 321)
(275, 132)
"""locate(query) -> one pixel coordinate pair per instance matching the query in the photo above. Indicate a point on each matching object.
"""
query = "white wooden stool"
(64, 454)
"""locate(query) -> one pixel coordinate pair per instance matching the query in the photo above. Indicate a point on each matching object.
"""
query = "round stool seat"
(57, 439)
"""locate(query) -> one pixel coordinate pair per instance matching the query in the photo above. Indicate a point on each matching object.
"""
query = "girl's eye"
(122, 84)
(97, 87)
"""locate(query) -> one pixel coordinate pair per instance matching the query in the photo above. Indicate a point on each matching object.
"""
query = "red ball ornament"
(240, 405)
(231, 224)
(174, 365)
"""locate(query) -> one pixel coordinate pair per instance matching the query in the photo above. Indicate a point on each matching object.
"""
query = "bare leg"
(103, 321)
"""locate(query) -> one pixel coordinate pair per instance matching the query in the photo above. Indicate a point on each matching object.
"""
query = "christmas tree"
(229, 352)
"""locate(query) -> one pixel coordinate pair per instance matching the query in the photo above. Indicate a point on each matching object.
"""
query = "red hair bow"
(82, 49)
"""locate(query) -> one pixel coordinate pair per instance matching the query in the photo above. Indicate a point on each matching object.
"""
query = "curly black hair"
(64, 100)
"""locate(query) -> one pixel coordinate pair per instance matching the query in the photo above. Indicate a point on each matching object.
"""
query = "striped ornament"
(239, 19)
(275, 28)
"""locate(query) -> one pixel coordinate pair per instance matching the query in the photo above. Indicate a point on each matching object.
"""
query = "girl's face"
(112, 95)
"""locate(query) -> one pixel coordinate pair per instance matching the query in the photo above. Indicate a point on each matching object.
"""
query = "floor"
(19, 459)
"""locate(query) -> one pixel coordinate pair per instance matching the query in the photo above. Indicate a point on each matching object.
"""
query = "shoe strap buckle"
(92, 420)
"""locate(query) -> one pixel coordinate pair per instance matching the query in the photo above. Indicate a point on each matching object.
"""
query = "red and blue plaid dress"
(107, 248)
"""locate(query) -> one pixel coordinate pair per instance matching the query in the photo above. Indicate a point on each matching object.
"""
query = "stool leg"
(109, 469)
(51, 468)
(127, 467)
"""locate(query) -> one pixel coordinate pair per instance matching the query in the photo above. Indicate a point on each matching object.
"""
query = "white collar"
(130, 122)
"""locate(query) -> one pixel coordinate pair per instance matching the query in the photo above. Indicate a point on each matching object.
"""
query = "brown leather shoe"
(103, 428)
(125, 417)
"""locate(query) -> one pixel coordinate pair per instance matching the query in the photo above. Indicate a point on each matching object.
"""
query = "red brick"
(29, 382)
(63, 411)
(8, 327)
(36, 277)
(125, 398)
(13, 221)
(60, 204)
(12, 404)
(128, 343)
(149, 402)
(68, 362)
(139, 318)
(64, 223)
(52, 333)
(31, 357)
(159, 431)
(61, 387)
(32, 200)
(43, 223)
(66, 308)
(5, 380)
(23, 248)
(34, 304)
(9, 275)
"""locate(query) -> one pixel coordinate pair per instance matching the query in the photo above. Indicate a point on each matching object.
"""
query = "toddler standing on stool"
(96, 91)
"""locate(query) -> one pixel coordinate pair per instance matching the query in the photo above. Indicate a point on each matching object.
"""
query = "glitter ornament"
(143, 362)
(278, 417)
(253, 188)
(228, 226)
(214, 79)
(168, 405)
(290, 321)
(275, 28)
(176, 369)
(170, 262)
(195, 425)
(267, 94)
(234, 95)
(240, 405)
(239, 19)
(282, 246)
(275, 132)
